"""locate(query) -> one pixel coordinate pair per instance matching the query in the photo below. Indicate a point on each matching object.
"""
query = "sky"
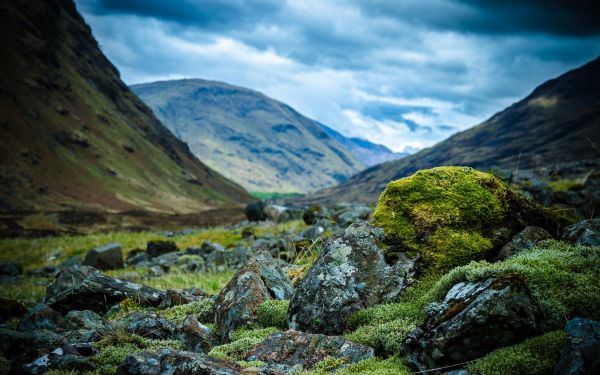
(406, 74)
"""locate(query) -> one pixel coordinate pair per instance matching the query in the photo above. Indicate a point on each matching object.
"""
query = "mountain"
(260, 143)
(367, 152)
(558, 122)
(75, 137)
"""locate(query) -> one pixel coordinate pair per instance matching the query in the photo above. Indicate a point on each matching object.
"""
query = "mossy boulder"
(452, 215)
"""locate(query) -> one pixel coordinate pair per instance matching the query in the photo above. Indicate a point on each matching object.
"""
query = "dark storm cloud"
(403, 73)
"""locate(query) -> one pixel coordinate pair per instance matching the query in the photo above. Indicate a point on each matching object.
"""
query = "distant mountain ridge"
(75, 137)
(260, 143)
(558, 122)
(367, 152)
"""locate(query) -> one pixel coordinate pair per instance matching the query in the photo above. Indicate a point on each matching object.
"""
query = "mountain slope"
(256, 141)
(367, 152)
(75, 137)
(558, 122)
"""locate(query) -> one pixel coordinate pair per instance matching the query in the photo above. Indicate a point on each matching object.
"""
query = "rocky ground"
(452, 272)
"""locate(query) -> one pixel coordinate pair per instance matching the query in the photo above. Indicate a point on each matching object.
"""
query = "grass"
(263, 195)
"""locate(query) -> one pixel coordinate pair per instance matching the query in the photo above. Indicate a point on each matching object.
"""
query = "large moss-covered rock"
(452, 215)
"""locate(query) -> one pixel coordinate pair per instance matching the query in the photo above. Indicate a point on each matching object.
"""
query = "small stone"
(525, 239)
(196, 336)
(580, 353)
(584, 233)
(85, 319)
(41, 316)
(107, 257)
(158, 248)
(153, 328)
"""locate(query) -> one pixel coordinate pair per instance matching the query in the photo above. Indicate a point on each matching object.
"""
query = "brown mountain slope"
(558, 122)
(73, 136)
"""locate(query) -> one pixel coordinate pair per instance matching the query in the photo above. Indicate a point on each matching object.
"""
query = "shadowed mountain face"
(262, 144)
(368, 153)
(75, 137)
(558, 122)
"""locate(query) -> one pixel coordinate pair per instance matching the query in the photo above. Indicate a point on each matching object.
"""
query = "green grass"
(274, 195)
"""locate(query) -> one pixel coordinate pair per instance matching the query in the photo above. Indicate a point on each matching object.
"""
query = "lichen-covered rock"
(196, 336)
(291, 348)
(83, 288)
(260, 279)
(41, 316)
(107, 257)
(169, 361)
(153, 327)
(157, 248)
(350, 274)
(453, 215)
(474, 319)
(85, 319)
(525, 239)
(580, 353)
(176, 297)
(584, 233)
(67, 358)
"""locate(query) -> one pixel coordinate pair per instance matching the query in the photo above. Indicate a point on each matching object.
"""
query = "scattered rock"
(175, 297)
(525, 239)
(10, 269)
(84, 288)
(580, 353)
(584, 233)
(138, 257)
(280, 214)
(170, 361)
(255, 211)
(107, 257)
(10, 308)
(158, 248)
(196, 336)
(353, 214)
(153, 327)
(474, 319)
(314, 213)
(314, 232)
(41, 316)
(208, 247)
(292, 348)
(260, 279)
(350, 274)
(15, 344)
(68, 358)
(85, 319)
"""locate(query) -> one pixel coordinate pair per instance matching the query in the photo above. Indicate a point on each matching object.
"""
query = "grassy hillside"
(260, 143)
(558, 122)
(75, 137)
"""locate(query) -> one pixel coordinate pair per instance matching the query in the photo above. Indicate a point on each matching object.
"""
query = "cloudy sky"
(402, 73)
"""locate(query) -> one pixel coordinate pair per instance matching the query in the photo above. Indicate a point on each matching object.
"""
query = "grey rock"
(584, 233)
(474, 319)
(67, 358)
(138, 257)
(107, 257)
(525, 239)
(579, 356)
(209, 247)
(169, 361)
(153, 327)
(260, 279)
(280, 214)
(41, 316)
(176, 297)
(255, 211)
(292, 348)
(352, 214)
(10, 269)
(158, 248)
(84, 288)
(85, 319)
(314, 232)
(350, 274)
(196, 336)
(315, 213)
(16, 343)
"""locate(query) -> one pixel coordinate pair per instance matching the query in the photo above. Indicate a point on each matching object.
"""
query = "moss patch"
(178, 313)
(447, 214)
(535, 356)
(242, 340)
(273, 313)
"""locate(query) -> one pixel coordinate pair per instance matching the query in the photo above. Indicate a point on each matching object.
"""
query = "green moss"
(248, 364)
(444, 213)
(124, 308)
(273, 313)
(535, 356)
(376, 366)
(178, 313)
(564, 280)
(242, 340)
(564, 185)
(386, 338)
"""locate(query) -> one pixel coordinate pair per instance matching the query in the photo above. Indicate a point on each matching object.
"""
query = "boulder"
(474, 319)
(255, 211)
(350, 274)
(260, 279)
(580, 353)
(10, 308)
(196, 336)
(170, 361)
(10, 269)
(153, 327)
(86, 319)
(584, 233)
(68, 358)
(525, 239)
(107, 257)
(40, 317)
(292, 348)
(158, 248)
(84, 288)
(454, 215)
